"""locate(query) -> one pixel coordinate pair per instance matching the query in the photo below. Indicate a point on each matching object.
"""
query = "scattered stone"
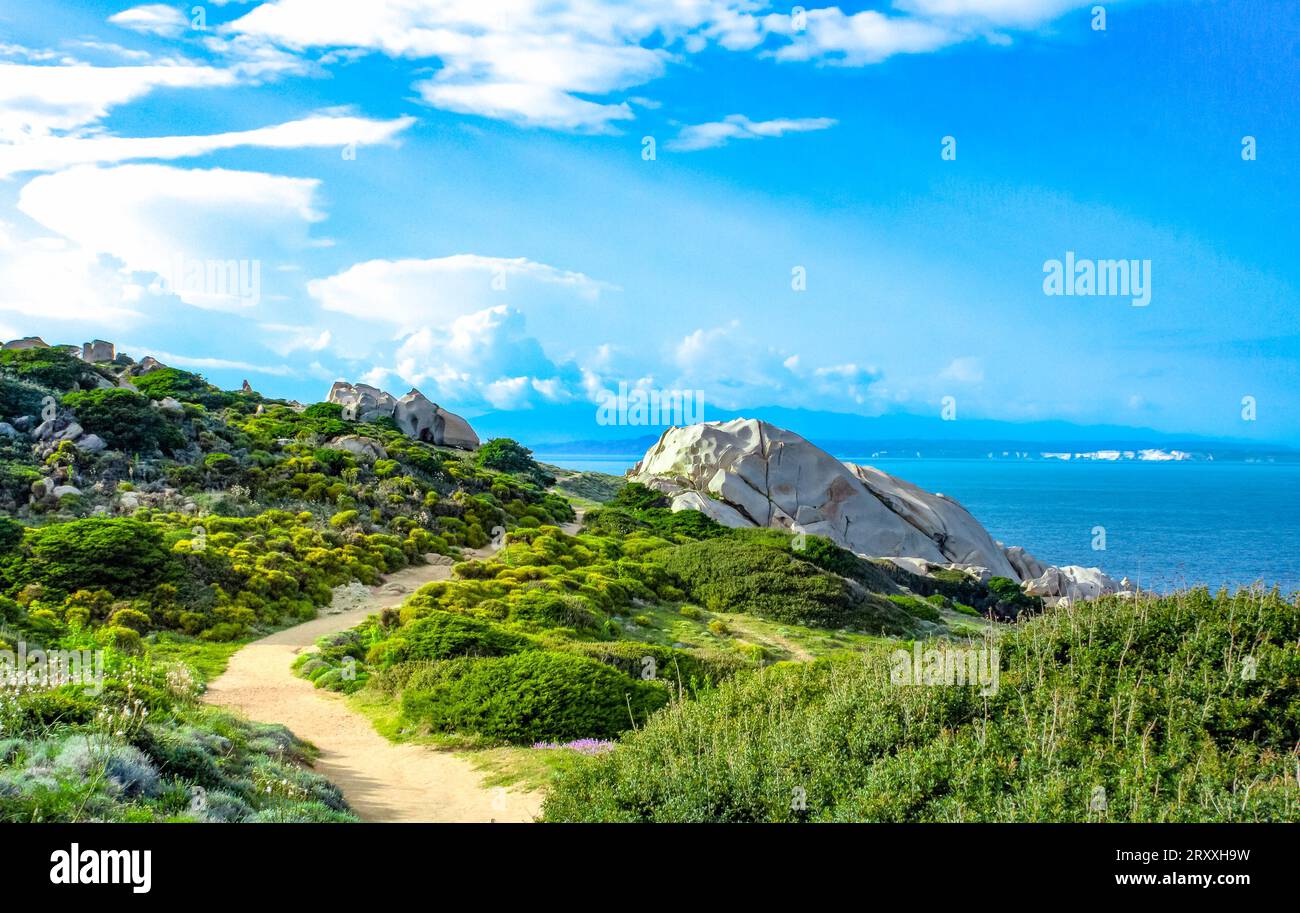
(91, 443)
(346, 597)
(61, 490)
(1072, 582)
(8, 430)
(363, 448)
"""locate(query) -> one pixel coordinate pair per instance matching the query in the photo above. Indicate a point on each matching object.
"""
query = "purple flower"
(582, 746)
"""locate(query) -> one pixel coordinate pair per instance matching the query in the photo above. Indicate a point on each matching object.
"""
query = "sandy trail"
(380, 780)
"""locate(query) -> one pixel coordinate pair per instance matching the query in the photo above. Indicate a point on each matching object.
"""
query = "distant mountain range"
(572, 430)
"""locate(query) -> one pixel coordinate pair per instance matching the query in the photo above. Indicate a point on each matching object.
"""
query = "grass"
(586, 489)
(531, 769)
(669, 627)
(208, 659)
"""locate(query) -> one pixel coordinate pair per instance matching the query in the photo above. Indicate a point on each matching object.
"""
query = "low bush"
(534, 696)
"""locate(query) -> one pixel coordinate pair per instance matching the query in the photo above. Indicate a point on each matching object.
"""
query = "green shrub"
(505, 455)
(760, 577)
(19, 398)
(124, 556)
(122, 639)
(636, 496)
(533, 696)
(51, 368)
(442, 635)
(1148, 699)
(183, 386)
(125, 420)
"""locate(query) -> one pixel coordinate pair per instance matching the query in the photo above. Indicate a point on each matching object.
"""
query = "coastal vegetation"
(638, 663)
(155, 523)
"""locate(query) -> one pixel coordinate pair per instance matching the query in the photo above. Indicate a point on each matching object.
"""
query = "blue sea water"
(1167, 525)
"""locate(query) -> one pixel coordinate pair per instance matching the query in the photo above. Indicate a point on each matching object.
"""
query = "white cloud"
(964, 370)
(519, 102)
(486, 357)
(149, 217)
(287, 338)
(858, 39)
(529, 63)
(737, 126)
(56, 152)
(38, 100)
(153, 19)
(1022, 13)
(53, 280)
(409, 294)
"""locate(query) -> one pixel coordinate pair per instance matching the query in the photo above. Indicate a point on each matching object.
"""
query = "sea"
(1163, 525)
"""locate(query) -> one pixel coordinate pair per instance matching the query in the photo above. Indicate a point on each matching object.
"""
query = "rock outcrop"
(751, 473)
(772, 477)
(1073, 582)
(362, 402)
(98, 350)
(414, 413)
(27, 342)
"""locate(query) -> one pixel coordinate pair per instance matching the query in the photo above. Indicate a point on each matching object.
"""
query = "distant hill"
(572, 429)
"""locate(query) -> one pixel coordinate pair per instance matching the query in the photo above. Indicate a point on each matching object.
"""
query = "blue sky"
(455, 196)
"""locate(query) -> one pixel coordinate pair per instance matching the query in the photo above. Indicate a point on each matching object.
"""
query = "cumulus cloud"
(153, 19)
(52, 279)
(37, 100)
(860, 38)
(161, 221)
(555, 63)
(531, 65)
(409, 294)
(486, 357)
(738, 126)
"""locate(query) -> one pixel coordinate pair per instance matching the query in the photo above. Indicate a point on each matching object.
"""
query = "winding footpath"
(381, 781)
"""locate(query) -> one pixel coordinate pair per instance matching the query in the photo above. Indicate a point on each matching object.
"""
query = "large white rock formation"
(750, 473)
(414, 413)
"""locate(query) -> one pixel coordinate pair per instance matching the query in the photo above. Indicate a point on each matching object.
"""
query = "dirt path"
(380, 780)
